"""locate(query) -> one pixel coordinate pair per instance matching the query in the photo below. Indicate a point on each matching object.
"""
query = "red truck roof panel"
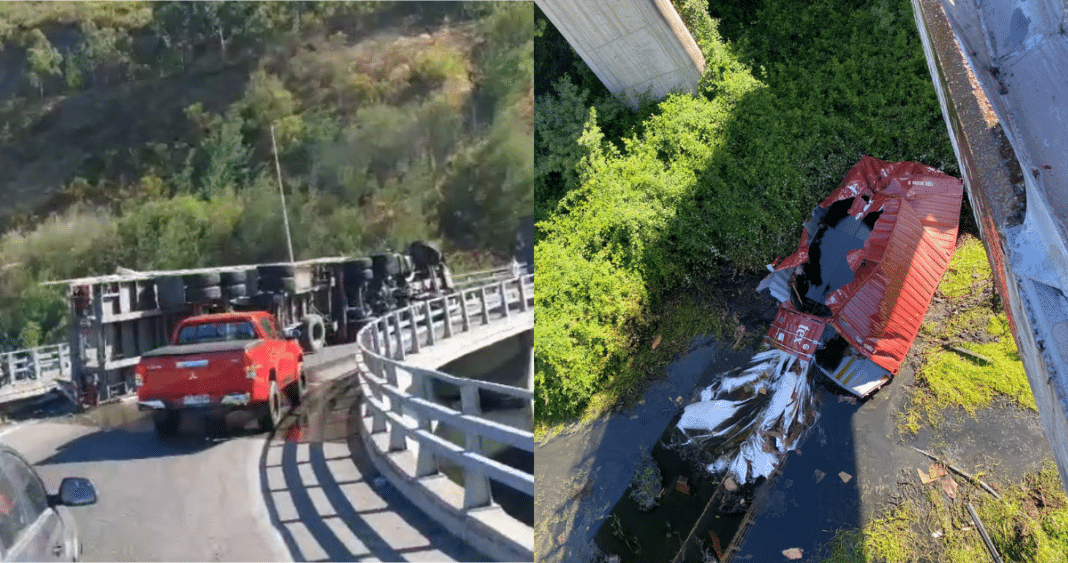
(903, 259)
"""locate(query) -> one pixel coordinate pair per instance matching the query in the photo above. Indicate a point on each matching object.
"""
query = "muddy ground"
(584, 471)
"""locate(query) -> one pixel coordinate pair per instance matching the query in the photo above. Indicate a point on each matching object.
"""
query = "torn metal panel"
(869, 262)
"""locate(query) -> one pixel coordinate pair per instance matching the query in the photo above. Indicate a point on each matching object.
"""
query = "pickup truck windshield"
(214, 332)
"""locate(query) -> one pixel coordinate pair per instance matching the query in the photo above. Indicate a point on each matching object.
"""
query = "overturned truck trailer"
(117, 318)
(853, 296)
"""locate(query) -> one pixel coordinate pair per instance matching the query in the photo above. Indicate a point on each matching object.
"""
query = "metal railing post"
(485, 306)
(429, 324)
(415, 329)
(465, 319)
(426, 463)
(35, 357)
(522, 297)
(11, 366)
(476, 484)
(400, 338)
(448, 317)
(505, 309)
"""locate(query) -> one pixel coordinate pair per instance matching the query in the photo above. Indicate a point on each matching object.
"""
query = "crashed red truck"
(853, 296)
(851, 300)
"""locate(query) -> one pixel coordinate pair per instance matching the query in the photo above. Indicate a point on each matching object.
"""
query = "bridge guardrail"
(386, 341)
(35, 364)
(411, 414)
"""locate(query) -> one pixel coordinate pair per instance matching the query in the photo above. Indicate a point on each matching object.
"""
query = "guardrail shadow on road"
(326, 499)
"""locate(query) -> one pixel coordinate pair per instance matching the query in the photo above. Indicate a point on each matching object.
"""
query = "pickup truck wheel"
(272, 413)
(166, 422)
(295, 391)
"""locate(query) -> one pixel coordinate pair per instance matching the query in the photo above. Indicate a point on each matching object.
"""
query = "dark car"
(35, 525)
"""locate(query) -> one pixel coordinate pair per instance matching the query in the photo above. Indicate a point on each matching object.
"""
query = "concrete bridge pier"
(633, 46)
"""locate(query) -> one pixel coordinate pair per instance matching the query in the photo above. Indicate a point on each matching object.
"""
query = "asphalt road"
(190, 498)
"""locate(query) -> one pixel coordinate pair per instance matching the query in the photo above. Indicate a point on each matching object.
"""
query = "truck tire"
(295, 391)
(356, 270)
(202, 280)
(232, 277)
(170, 292)
(166, 422)
(312, 333)
(252, 281)
(272, 411)
(235, 291)
(199, 294)
(287, 284)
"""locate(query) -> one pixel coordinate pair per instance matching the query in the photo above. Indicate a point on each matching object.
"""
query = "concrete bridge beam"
(633, 46)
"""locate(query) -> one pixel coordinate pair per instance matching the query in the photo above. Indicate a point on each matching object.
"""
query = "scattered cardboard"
(794, 553)
(845, 477)
(656, 342)
(730, 485)
(819, 475)
(934, 473)
(949, 486)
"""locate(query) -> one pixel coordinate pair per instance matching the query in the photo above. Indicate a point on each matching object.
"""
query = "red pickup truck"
(221, 363)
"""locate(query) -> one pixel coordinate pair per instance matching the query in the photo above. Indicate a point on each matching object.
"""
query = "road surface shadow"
(358, 505)
(126, 434)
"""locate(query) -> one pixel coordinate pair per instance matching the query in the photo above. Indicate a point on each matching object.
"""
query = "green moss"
(1029, 525)
(968, 269)
(969, 383)
(884, 539)
(964, 315)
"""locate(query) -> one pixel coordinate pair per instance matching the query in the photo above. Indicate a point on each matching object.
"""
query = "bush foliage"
(638, 206)
(139, 135)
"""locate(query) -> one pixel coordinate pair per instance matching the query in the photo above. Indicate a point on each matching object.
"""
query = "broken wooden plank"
(966, 352)
(958, 471)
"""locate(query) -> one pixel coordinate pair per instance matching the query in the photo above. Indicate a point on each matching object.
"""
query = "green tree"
(44, 59)
(103, 52)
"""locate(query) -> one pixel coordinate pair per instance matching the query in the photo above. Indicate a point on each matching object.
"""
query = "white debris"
(772, 429)
(707, 415)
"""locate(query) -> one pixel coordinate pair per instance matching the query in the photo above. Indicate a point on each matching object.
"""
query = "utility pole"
(285, 215)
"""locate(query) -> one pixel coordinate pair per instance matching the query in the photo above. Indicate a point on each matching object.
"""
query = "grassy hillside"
(139, 134)
(639, 209)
